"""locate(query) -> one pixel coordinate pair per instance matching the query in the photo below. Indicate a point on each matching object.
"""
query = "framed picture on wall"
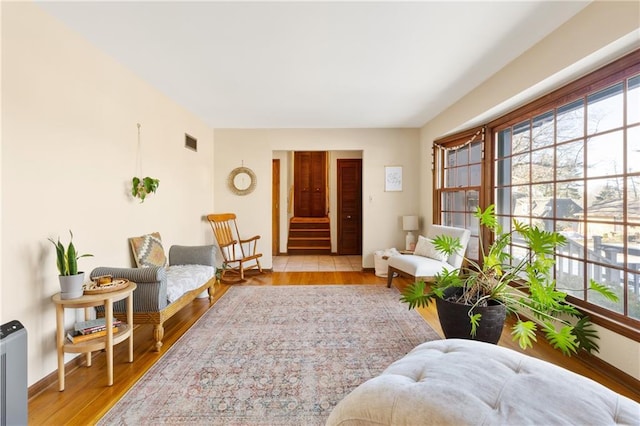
(392, 178)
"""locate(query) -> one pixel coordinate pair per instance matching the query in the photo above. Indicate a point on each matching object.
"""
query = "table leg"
(88, 354)
(109, 344)
(130, 324)
(60, 344)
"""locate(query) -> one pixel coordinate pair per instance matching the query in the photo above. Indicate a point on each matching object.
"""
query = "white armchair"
(418, 266)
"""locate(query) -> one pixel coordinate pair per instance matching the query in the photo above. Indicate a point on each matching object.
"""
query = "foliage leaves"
(140, 188)
(524, 285)
(67, 260)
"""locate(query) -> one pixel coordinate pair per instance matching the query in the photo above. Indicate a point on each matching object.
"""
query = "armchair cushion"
(184, 278)
(426, 248)
(193, 255)
(148, 250)
(418, 266)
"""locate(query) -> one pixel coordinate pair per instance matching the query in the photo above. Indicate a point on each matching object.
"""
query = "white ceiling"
(315, 64)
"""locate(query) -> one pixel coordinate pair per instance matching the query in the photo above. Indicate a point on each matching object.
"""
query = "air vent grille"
(190, 142)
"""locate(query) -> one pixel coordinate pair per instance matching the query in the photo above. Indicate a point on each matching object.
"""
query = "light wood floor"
(87, 397)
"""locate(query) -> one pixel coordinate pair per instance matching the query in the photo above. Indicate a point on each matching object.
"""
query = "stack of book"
(92, 329)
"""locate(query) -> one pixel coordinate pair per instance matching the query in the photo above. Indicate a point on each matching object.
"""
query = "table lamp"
(410, 223)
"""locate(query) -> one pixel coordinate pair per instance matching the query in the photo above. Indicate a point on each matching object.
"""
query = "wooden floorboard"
(87, 397)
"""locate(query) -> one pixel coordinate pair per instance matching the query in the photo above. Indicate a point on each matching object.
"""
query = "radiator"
(13, 374)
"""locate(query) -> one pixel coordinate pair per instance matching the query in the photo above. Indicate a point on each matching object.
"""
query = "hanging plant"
(140, 188)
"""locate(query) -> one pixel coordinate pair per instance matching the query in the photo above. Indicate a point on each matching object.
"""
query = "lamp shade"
(409, 223)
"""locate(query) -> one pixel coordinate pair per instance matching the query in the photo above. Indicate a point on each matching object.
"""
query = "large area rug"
(274, 355)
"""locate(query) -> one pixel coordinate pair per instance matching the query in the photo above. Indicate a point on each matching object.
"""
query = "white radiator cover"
(13, 374)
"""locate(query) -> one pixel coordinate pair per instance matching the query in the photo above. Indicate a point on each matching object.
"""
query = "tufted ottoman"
(461, 382)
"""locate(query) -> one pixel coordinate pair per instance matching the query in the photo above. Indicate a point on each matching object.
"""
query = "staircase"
(309, 235)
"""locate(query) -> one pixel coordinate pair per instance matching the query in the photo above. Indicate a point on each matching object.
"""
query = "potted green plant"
(71, 281)
(140, 188)
(523, 287)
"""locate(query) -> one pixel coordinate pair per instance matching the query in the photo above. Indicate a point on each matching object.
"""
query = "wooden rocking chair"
(236, 252)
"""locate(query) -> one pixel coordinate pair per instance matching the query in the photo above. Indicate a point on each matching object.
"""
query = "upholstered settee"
(164, 287)
(464, 382)
(426, 261)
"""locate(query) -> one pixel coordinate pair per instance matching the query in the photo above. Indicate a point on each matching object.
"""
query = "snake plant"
(67, 260)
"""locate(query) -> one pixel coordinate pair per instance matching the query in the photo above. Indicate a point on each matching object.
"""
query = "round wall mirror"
(242, 181)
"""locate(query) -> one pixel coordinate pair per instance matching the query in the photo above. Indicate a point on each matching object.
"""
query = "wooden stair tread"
(309, 235)
(298, 219)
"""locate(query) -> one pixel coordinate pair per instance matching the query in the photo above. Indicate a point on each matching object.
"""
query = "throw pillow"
(425, 248)
(148, 250)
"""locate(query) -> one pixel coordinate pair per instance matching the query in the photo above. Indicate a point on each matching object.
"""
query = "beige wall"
(600, 33)
(69, 139)
(382, 211)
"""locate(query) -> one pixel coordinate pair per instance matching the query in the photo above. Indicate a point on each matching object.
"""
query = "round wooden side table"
(125, 331)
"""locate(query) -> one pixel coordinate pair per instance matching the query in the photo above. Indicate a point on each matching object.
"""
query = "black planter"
(455, 322)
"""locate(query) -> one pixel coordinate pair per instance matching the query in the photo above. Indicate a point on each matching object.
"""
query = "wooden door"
(349, 213)
(310, 184)
(275, 208)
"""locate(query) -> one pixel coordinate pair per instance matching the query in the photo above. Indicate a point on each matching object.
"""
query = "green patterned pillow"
(148, 251)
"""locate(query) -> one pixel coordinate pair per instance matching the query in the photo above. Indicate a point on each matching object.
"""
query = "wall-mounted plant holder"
(142, 186)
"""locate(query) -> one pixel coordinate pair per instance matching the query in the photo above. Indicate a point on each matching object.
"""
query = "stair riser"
(299, 233)
(296, 252)
(309, 226)
(308, 243)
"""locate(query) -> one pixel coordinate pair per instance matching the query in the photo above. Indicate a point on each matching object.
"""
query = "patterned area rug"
(281, 355)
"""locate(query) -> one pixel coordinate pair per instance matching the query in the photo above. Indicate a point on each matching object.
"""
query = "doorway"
(349, 213)
(310, 184)
(287, 195)
(275, 207)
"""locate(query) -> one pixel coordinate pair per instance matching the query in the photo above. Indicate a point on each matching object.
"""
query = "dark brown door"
(349, 206)
(275, 208)
(310, 184)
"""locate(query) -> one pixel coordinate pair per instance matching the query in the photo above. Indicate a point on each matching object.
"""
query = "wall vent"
(190, 142)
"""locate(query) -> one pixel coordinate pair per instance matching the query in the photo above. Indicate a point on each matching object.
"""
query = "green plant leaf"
(60, 263)
(525, 333)
(72, 257)
(151, 184)
(603, 290)
(447, 244)
(586, 335)
(488, 218)
(414, 295)
(564, 340)
(475, 322)
(135, 182)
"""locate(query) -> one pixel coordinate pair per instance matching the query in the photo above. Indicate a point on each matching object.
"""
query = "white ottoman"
(462, 382)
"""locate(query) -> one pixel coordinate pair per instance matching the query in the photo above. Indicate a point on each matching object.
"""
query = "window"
(569, 162)
(459, 184)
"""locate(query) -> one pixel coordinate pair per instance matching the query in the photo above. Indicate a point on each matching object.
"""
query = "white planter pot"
(71, 286)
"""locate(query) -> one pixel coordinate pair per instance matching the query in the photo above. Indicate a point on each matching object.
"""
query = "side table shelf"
(98, 343)
(125, 330)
